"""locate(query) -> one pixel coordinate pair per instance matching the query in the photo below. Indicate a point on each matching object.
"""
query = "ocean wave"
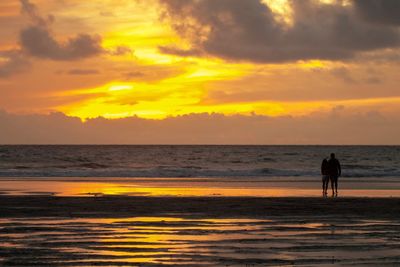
(194, 161)
(97, 170)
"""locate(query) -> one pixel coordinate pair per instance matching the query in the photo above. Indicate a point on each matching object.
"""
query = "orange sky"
(163, 58)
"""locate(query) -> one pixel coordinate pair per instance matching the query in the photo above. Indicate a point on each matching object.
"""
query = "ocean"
(194, 161)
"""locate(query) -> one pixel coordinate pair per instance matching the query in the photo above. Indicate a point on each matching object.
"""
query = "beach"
(116, 229)
(197, 206)
(199, 133)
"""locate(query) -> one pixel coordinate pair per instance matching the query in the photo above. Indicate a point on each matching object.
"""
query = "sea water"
(195, 161)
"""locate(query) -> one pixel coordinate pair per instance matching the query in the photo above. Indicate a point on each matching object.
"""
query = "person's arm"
(339, 168)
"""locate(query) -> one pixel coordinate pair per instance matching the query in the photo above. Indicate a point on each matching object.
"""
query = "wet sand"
(210, 207)
(192, 222)
(198, 231)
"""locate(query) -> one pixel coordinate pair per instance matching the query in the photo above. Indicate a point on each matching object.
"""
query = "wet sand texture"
(212, 207)
(207, 231)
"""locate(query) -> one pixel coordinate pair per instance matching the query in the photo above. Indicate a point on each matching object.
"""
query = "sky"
(200, 71)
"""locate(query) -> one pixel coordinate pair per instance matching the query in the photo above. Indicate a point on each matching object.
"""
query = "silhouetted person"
(325, 176)
(334, 172)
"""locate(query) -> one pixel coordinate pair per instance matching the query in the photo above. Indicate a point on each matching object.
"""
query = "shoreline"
(195, 187)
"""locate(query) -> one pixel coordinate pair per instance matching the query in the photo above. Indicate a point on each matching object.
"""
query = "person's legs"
(332, 178)
(326, 182)
(336, 184)
(323, 184)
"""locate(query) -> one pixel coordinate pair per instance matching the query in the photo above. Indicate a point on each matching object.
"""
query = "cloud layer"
(249, 30)
(336, 127)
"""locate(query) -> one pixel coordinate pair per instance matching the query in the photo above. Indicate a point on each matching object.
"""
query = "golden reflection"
(157, 239)
(156, 188)
(114, 241)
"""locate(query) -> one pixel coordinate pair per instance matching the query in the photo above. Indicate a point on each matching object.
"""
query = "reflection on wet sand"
(153, 241)
(187, 187)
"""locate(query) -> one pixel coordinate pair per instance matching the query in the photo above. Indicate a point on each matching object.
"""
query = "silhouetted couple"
(330, 170)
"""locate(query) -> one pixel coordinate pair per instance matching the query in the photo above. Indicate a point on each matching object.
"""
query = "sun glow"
(146, 82)
(177, 95)
(157, 100)
(120, 87)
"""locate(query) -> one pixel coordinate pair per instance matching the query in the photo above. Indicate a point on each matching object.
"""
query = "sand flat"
(160, 222)
(198, 231)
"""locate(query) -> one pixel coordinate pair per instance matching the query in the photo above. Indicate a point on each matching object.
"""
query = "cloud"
(83, 72)
(106, 14)
(134, 74)
(379, 11)
(180, 52)
(37, 39)
(32, 12)
(38, 42)
(151, 73)
(373, 80)
(12, 62)
(120, 51)
(343, 74)
(249, 30)
(335, 127)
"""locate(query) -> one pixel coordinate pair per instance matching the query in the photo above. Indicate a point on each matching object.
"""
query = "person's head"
(332, 155)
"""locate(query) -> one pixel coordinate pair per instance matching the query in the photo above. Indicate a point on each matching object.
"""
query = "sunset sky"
(282, 66)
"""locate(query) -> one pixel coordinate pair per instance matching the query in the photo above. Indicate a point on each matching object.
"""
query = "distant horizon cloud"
(331, 128)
